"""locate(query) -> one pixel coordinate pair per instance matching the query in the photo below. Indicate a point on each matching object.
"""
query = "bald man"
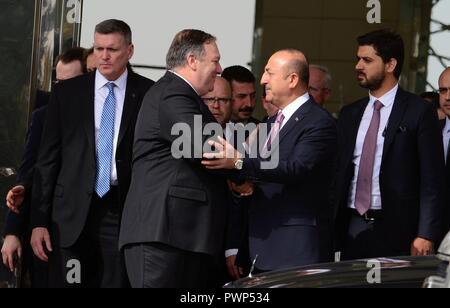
(319, 83)
(219, 101)
(444, 102)
(289, 214)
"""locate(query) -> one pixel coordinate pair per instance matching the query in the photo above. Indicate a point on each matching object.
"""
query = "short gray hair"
(115, 26)
(326, 71)
(188, 41)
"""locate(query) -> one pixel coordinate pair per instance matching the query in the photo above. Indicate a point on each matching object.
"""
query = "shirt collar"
(387, 99)
(290, 109)
(447, 126)
(101, 81)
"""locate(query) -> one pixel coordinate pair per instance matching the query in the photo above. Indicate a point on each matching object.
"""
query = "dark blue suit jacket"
(290, 212)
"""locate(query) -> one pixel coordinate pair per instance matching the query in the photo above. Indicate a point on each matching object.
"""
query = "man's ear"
(294, 79)
(130, 51)
(391, 65)
(192, 62)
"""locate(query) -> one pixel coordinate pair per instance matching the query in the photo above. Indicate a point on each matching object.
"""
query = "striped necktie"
(105, 144)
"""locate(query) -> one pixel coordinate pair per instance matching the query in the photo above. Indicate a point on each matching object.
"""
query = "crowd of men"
(105, 182)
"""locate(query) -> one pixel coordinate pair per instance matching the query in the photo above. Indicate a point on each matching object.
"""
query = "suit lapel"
(87, 98)
(296, 118)
(355, 123)
(398, 110)
(129, 106)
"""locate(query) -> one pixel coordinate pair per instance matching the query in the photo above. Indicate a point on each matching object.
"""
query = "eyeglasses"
(213, 100)
(312, 89)
(443, 91)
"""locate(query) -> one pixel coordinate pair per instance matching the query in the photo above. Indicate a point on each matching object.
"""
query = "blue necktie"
(105, 144)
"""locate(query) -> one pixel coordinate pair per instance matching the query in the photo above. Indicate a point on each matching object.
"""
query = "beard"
(373, 83)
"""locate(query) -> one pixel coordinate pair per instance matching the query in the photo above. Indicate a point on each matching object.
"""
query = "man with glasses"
(219, 101)
(319, 83)
(444, 101)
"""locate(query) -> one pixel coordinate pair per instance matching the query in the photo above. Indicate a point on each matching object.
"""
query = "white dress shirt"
(101, 92)
(388, 102)
(446, 137)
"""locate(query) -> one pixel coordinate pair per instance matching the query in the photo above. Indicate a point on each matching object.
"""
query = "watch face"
(238, 164)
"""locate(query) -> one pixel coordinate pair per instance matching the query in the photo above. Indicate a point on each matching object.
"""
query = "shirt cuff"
(231, 252)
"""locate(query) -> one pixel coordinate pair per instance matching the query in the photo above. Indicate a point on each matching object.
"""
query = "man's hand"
(224, 157)
(243, 190)
(421, 247)
(11, 247)
(39, 236)
(234, 271)
(14, 198)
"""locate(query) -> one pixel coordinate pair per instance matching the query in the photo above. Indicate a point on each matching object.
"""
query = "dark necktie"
(365, 175)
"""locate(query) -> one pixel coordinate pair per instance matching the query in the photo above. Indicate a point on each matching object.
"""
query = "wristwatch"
(238, 164)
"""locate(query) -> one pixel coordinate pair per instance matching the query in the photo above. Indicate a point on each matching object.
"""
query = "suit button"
(119, 161)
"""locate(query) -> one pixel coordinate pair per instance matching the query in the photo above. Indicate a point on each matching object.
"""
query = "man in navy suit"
(289, 213)
(389, 185)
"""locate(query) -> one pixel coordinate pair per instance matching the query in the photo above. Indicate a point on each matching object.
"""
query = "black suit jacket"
(411, 175)
(17, 224)
(289, 212)
(64, 178)
(446, 226)
(174, 201)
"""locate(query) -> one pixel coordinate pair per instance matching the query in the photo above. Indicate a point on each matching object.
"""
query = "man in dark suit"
(444, 102)
(389, 185)
(243, 93)
(289, 212)
(69, 64)
(174, 216)
(83, 171)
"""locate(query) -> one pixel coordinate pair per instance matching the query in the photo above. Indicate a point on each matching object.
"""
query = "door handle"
(6, 172)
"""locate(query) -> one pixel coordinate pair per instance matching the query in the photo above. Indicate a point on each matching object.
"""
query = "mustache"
(246, 109)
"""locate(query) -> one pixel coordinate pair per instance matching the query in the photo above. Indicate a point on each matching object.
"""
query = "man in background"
(319, 83)
(70, 64)
(244, 93)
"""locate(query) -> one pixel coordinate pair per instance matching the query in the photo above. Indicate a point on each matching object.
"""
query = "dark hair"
(73, 54)
(115, 26)
(238, 73)
(432, 97)
(185, 42)
(388, 45)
